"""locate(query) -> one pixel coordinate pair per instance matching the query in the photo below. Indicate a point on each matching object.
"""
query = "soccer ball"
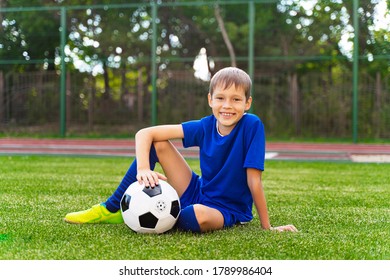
(150, 210)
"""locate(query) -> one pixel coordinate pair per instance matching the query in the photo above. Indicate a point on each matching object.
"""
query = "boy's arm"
(256, 187)
(144, 139)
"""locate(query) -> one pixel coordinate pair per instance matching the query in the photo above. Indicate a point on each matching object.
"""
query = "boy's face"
(228, 106)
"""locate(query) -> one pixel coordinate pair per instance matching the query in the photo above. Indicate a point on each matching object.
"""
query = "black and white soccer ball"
(150, 210)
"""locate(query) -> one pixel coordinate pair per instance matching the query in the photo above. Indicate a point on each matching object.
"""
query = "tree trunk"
(124, 87)
(228, 43)
(106, 94)
(294, 94)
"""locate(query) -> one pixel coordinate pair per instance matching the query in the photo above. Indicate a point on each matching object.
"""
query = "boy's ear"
(248, 103)
(209, 98)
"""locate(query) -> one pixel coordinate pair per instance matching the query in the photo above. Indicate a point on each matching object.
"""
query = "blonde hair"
(226, 77)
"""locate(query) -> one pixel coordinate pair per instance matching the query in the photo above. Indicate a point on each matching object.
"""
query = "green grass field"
(341, 209)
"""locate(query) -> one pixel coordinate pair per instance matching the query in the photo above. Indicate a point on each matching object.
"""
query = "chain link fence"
(109, 94)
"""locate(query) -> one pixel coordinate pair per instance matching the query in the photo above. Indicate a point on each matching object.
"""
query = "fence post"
(154, 63)
(2, 99)
(355, 78)
(251, 39)
(63, 75)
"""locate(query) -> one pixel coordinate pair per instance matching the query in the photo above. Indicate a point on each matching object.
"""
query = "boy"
(232, 150)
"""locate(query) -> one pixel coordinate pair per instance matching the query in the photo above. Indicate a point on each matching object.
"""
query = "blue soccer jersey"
(224, 160)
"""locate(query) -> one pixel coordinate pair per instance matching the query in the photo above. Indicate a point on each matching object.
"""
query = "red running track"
(275, 150)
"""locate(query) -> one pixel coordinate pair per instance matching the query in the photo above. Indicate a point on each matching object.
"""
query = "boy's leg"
(179, 175)
(208, 218)
(200, 218)
(175, 167)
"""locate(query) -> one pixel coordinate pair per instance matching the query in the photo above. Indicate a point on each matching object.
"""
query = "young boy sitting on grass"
(232, 149)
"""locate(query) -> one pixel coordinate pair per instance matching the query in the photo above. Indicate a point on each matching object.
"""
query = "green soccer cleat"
(97, 214)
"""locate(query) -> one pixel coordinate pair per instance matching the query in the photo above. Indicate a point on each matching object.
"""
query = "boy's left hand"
(149, 177)
(284, 228)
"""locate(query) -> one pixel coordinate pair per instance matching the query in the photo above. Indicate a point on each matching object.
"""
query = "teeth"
(226, 114)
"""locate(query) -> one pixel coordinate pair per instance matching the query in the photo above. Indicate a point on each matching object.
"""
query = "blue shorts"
(193, 195)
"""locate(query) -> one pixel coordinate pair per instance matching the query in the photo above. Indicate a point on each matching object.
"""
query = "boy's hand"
(149, 177)
(284, 228)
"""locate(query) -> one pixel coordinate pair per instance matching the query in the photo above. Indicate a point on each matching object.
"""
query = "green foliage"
(107, 45)
(341, 210)
(34, 35)
(12, 43)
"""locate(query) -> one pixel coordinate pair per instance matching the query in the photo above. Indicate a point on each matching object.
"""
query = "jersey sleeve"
(255, 155)
(193, 133)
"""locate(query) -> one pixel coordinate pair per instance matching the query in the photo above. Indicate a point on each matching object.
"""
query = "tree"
(221, 24)
(25, 32)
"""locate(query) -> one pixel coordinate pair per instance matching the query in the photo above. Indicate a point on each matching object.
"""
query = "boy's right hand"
(285, 228)
(149, 177)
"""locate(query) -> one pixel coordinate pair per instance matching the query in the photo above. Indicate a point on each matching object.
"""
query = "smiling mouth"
(227, 114)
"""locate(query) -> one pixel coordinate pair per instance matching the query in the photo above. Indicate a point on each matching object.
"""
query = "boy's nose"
(227, 104)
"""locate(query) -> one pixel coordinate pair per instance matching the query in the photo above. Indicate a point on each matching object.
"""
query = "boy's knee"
(201, 214)
(187, 220)
(160, 146)
(208, 218)
(199, 218)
